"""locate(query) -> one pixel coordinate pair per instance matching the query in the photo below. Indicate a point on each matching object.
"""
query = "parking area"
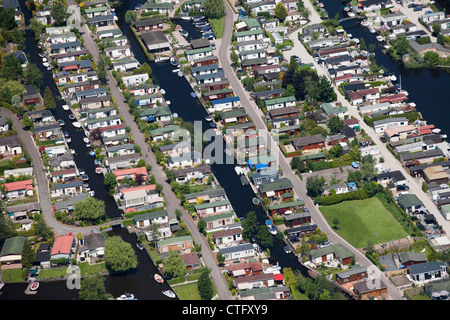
(328, 174)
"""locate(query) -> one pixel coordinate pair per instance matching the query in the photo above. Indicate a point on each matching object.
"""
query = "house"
(276, 188)
(94, 245)
(356, 273)
(146, 219)
(245, 250)
(338, 188)
(63, 248)
(206, 196)
(135, 79)
(124, 161)
(155, 41)
(224, 104)
(287, 207)
(148, 24)
(267, 293)
(162, 8)
(316, 141)
(309, 31)
(95, 102)
(10, 145)
(264, 175)
(18, 189)
(43, 255)
(62, 161)
(11, 254)
(118, 52)
(327, 254)
(217, 94)
(432, 17)
(125, 64)
(191, 260)
(175, 149)
(67, 205)
(211, 208)
(185, 160)
(296, 233)
(163, 133)
(31, 97)
(160, 113)
(410, 258)
(103, 122)
(195, 54)
(414, 158)
(63, 175)
(255, 281)
(249, 35)
(358, 97)
(395, 177)
(330, 110)
(287, 116)
(91, 93)
(282, 102)
(207, 60)
(435, 174)
(427, 271)
(363, 291)
(199, 173)
(227, 237)
(399, 133)
(175, 244)
(21, 211)
(437, 290)
(4, 126)
(219, 221)
(70, 188)
(102, 20)
(65, 47)
(410, 203)
(293, 220)
(138, 196)
(138, 174)
(245, 269)
(380, 125)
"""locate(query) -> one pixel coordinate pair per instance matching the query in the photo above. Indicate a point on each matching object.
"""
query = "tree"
(101, 69)
(130, 16)
(368, 169)
(90, 209)
(280, 11)
(204, 285)
(264, 237)
(110, 181)
(33, 75)
(92, 288)
(119, 255)
(214, 9)
(335, 125)
(432, 58)
(401, 45)
(362, 44)
(28, 255)
(49, 99)
(27, 122)
(325, 90)
(174, 265)
(436, 27)
(336, 222)
(41, 229)
(250, 226)
(314, 185)
(59, 14)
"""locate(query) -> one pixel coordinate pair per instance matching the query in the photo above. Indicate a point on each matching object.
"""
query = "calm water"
(427, 88)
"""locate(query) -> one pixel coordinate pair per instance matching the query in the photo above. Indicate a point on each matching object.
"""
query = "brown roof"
(256, 277)
(191, 259)
(255, 266)
(224, 233)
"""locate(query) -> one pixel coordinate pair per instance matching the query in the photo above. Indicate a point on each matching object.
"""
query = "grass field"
(217, 25)
(364, 220)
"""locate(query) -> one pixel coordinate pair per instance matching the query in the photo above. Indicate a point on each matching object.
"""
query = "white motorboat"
(46, 64)
(392, 77)
(169, 293)
(364, 23)
(351, 14)
(76, 124)
(68, 140)
(91, 193)
(162, 91)
(126, 296)
(372, 29)
(72, 151)
(161, 59)
(380, 38)
(180, 74)
(65, 107)
(159, 278)
(44, 59)
(86, 140)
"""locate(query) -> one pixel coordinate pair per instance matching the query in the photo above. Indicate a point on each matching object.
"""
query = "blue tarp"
(257, 166)
(354, 164)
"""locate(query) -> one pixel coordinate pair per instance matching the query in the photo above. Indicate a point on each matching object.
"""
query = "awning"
(238, 273)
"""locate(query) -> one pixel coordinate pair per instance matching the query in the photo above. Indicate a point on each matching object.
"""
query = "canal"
(138, 281)
(178, 93)
(427, 88)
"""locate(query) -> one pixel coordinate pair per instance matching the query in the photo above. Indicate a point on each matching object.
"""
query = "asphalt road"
(257, 116)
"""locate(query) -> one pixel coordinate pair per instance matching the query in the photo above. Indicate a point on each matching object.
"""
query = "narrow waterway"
(139, 281)
(427, 88)
(178, 93)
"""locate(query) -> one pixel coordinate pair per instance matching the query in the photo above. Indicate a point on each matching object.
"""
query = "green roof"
(250, 62)
(282, 205)
(93, 10)
(163, 130)
(337, 248)
(275, 185)
(312, 156)
(174, 240)
(102, 119)
(279, 100)
(157, 111)
(233, 113)
(13, 246)
(329, 109)
(218, 217)
(150, 215)
(263, 158)
(252, 23)
(408, 200)
(211, 204)
(446, 208)
(248, 33)
(200, 50)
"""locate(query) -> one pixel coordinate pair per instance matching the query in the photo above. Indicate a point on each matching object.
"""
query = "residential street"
(257, 116)
(172, 202)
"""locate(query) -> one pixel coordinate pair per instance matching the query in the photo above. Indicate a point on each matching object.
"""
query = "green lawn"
(13, 275)
(187, 291)
(364, 220)
(217, 25)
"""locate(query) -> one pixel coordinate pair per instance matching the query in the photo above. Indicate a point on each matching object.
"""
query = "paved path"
(299, 187)
(172, 202)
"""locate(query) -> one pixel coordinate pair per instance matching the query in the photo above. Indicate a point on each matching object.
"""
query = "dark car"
(412, 5)
(417, 9)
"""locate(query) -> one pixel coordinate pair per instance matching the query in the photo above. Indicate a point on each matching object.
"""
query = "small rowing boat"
(169, 293)
(159, 278)
(34, 286)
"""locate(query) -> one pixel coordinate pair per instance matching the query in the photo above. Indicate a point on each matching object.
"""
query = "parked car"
(213, 45)
(412, 5)
(325, 244)
(402, 187)
(417, 9)
(286, 48)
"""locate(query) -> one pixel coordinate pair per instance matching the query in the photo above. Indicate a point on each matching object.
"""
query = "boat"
(372, 29)
(138, 6)
(2, 284)
(76, 124)
(255, 201)
(85, 177)
(184, 33)
(159, 278)
(126, 296)
(244, 180)
(286, 249)
(392, 77)
(173, 61)
(66, 134)
(81, 171)
(346, 8)
(68, 139)
(72, 151)
(364, 23)
(180, 74)
(380, 38)
(208, 118)
(95, 161)
(238, 170)
(161, 59)
(86, 140)
(34, 286)
(91, 193)
(71, 117)
(269, 223)
(351, 14)
(44, 59)
(193, 95)
(179, 28)
(162, 91)
(88, 145)
(46, 64)
(92, 153)
(140, 246)
(169, 293)
(49, 68)
(65, 107)
(186, 18)
(201, 24)
(61, 122)
(98, 170)
(41, 54)
(197, 19)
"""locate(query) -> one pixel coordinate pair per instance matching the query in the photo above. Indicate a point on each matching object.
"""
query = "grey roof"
(94, 240)
(66, 204)
(13, 141)
(101, 18)
(389, 120)
(33, 206)
(242, 247)
(426, 267)
(65, 45)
